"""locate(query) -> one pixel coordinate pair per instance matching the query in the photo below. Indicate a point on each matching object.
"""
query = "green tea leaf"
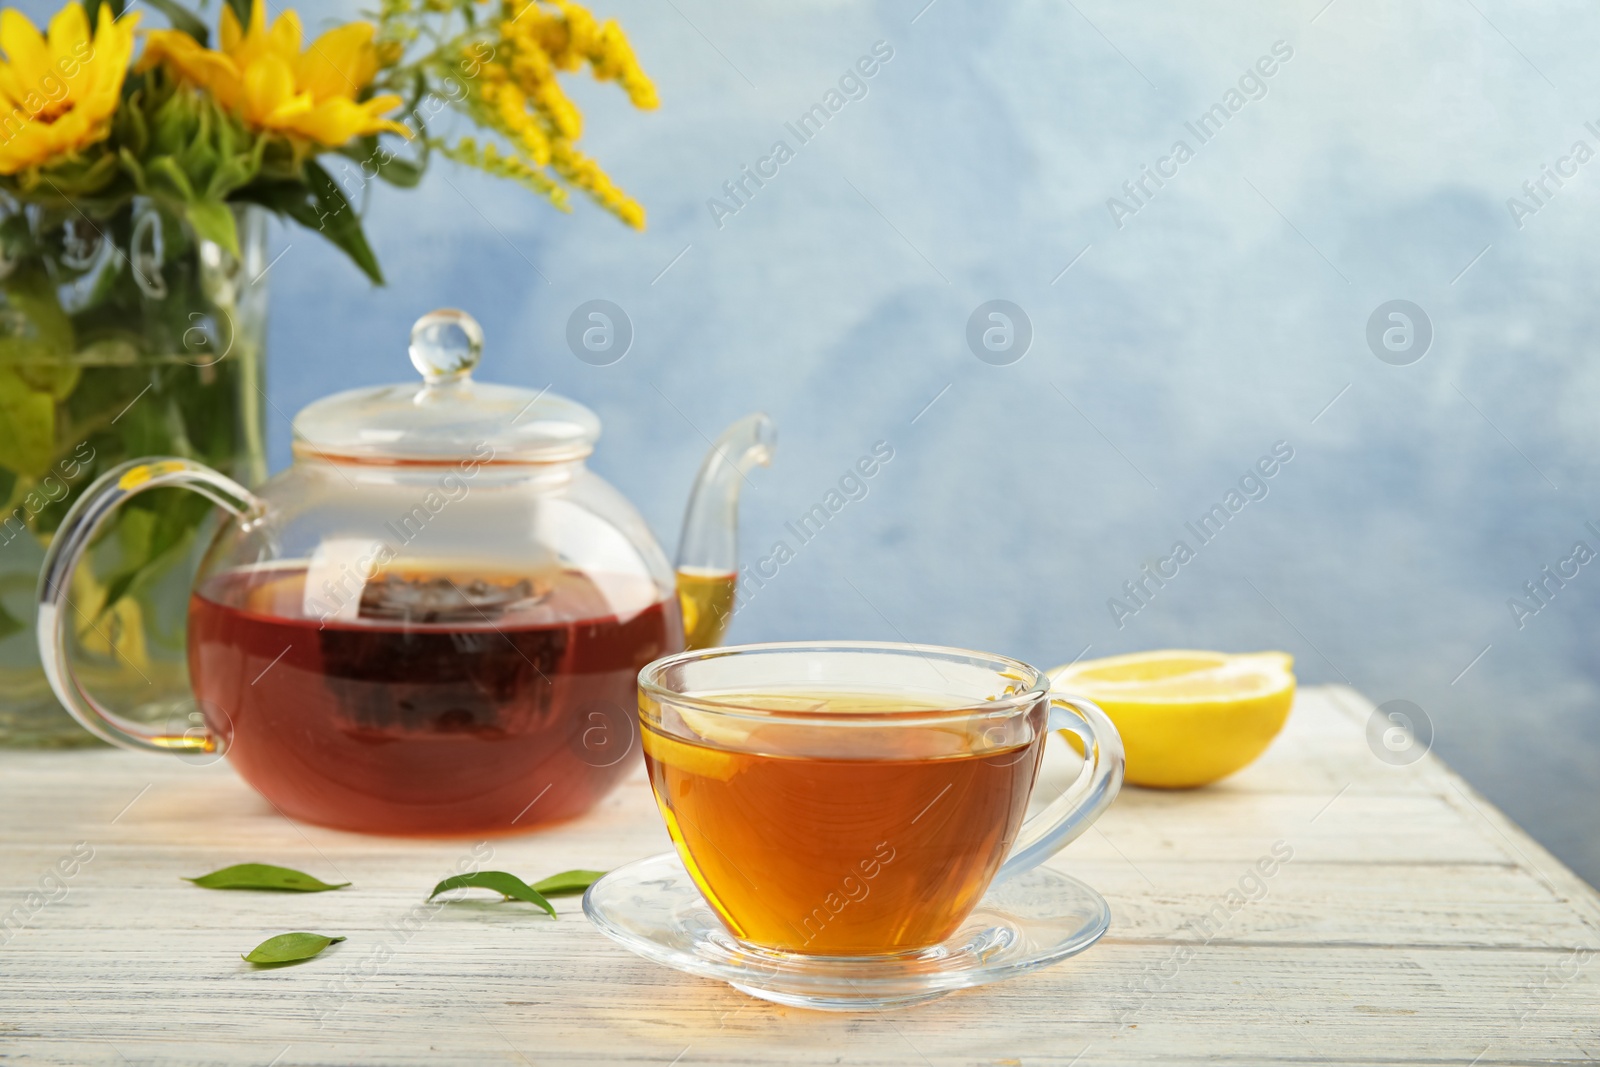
(289, 948)
(507, 885)
(567, 883)
(263, 876)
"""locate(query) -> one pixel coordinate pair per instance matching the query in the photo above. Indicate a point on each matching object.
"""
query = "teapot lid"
(449, 416)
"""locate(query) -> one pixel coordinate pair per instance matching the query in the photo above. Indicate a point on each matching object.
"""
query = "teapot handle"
(85, 518)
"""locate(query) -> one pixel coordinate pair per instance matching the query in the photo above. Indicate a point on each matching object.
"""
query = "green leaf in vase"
(18, 242)
(567, 883)
(34, 372)
(76, 178)
(182, 19)
(131, 127)
(42, 330)
(264, 876)
(213, 221)
(9, 623)
(174, 182)
(339, 222)
(289, 948)
(321, 207)
(236, 170)
(373, 155)
(154, 530)
(94, 7)
(507, 885)
(27, 424)
(56, 377)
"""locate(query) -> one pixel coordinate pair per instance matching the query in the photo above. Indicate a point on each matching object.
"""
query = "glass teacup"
(857, 799)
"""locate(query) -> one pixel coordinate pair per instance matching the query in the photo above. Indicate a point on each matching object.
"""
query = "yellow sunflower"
(57, 95)
(263, 77)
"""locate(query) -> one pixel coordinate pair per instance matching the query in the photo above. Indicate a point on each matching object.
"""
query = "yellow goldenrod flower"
(584, 173)
(515, 92)
(57, 95)
(572, 36)
(262, 76)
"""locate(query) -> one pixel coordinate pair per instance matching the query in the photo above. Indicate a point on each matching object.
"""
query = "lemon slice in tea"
(687, 756)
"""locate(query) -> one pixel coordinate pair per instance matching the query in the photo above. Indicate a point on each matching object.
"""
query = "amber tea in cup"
(859, 799)
(846, 856)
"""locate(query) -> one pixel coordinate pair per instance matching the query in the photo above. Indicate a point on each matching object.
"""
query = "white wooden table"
(1414, 924)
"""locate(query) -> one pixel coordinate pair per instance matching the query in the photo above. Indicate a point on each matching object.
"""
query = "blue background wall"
(1224, 316)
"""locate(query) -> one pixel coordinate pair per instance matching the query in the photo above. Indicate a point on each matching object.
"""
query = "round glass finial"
(446, 345)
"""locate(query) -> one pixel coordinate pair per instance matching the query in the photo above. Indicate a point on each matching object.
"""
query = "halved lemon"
(1187, 718)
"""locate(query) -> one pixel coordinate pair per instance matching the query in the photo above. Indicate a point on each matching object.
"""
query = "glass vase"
(121, 335)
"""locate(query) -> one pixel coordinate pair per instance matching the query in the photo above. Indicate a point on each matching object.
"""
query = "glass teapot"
(432, 622)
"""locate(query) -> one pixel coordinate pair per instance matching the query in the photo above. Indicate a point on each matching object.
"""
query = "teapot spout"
(708, 551)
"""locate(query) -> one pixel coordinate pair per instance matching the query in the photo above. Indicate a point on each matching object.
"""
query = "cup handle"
(72, 540)
(1082, 802)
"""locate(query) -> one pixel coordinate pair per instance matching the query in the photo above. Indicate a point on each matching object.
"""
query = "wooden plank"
(1240, 1005)
(1304, 903)
(1413, 924)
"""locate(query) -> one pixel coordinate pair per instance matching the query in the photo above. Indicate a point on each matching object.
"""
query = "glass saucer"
(652, 907)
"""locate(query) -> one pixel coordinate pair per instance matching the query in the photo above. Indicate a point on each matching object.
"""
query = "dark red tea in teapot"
(444, 704)
(479, 680)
